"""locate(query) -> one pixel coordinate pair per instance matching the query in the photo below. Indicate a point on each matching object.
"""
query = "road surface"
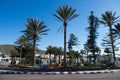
(99, 76)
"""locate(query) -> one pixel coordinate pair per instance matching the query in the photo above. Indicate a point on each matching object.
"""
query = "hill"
(5, 49)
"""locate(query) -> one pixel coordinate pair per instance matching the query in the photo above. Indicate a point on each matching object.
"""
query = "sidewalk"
(61, 72)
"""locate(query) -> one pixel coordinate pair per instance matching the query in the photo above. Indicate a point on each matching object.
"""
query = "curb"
(57, 73)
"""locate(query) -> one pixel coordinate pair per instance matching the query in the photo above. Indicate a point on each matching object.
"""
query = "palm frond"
(60, 28)
(65, 14)
(35, 28)
(72, 17)
(102, 22)
(58, 18)
(109, 18)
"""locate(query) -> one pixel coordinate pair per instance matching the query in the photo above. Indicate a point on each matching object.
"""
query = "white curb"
(57, 73)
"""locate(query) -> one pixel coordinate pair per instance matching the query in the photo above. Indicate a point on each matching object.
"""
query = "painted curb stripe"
(57, 73)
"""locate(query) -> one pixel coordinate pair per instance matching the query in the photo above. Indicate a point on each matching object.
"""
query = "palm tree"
(87, 50)
(97, 49)
(21, 42)
(109, 19)
(65, 14)
(35, 29)
(82, 52)
(107, 50)
(24, 47)
(60, 52)
(50, 52)
(76, 55)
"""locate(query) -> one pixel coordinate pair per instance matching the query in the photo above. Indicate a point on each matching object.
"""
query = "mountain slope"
(5, 49)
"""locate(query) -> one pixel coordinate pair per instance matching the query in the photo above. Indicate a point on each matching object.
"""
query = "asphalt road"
(100, 76)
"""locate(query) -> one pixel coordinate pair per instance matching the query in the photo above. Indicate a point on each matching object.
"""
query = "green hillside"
(5, 49)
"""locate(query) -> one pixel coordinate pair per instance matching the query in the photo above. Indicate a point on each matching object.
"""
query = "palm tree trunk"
(59, 58)
(34, 52)
(77, 60)
(20, 55)
(50, 58)
(94, 47)
(94, 56)
(82, 59)
(87, 57)
(112, 43)
(65, 27)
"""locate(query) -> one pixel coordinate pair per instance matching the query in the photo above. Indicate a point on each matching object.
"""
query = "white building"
(5, 61)
(42, 59)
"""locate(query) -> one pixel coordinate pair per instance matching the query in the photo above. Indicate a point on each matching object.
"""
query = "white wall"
(5, 61)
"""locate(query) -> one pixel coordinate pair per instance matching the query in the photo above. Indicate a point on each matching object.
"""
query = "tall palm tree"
(109, 19)
(35, 29)
(65, 14)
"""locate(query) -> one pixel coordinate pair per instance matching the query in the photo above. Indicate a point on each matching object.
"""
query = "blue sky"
(14, 15)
